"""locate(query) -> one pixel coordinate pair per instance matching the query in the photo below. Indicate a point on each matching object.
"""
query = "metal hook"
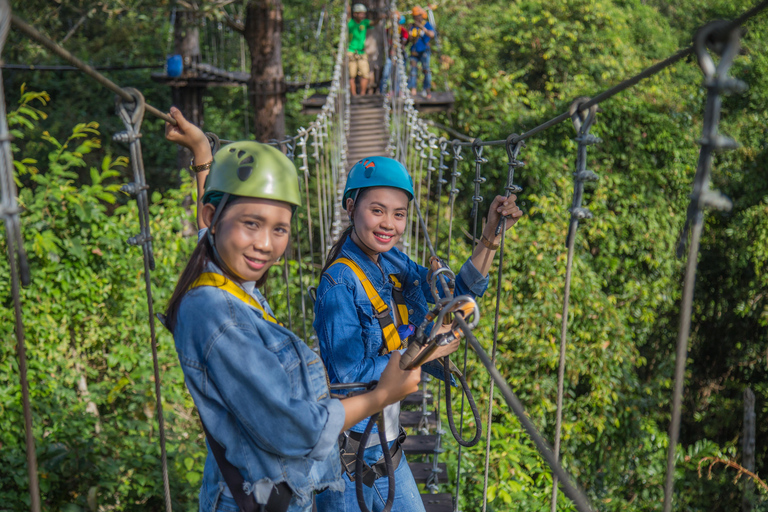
(513, 150)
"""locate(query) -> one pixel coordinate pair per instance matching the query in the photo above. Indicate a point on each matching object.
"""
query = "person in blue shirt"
(420, 32)
(351, 335)
(262, 394)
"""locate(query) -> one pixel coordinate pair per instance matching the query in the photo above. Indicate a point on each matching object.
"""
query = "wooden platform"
(441, 101)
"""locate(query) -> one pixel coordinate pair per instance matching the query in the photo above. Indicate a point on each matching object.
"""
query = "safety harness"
(222, 283)
(350, 442)
(392, 338)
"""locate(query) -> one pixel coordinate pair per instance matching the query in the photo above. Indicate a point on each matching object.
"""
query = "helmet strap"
(211, 239)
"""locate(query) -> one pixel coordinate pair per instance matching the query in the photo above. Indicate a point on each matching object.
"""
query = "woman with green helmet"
(262, 394)
(385, 295)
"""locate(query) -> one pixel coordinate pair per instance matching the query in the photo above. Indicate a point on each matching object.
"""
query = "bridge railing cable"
(9, 212)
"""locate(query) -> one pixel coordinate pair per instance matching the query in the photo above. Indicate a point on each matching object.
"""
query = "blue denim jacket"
(263, 395)
(349, 334)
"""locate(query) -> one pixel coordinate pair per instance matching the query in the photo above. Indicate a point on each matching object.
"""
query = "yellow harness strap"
(399, 299)
(391, 337)
(222, 283)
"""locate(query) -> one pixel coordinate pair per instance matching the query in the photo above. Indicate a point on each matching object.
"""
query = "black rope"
(441, 167)
(45, 67)
(290, 153)
(470, 399)
(378, 420)
(513, 150)
(32, 32)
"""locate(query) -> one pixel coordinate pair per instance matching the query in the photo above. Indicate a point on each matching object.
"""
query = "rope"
(9, 211)
(476, 200)
(453, 192)
(132, 115)
(513, 150)
(576, 495)
(441, 167)
(717, 82)
(56, 49)
(584, 138)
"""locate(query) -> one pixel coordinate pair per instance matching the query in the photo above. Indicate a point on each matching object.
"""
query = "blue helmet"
(378, 171)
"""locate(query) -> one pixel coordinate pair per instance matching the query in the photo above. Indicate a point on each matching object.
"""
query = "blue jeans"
(385, 76)
(422, 58)
(407, 498)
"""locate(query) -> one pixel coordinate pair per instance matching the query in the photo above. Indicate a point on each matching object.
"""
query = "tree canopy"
(510, 65)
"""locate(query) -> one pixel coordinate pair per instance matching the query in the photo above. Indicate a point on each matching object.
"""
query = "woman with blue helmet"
(262, 394)
(359, 332)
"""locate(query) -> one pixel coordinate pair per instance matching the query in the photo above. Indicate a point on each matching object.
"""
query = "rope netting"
(436, 165)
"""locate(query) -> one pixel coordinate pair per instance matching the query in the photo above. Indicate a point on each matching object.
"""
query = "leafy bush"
(90, 363)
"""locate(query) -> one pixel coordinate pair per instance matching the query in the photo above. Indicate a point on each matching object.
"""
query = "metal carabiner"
(513, 150)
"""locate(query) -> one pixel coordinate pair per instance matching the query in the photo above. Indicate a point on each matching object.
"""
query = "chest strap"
(229, 286)
(392, 339)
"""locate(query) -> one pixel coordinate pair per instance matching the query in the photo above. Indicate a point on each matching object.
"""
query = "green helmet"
(252, 169)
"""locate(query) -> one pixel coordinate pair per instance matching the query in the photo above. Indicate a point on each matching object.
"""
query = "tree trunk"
(748, 450)
(263, 28)
(188, 99)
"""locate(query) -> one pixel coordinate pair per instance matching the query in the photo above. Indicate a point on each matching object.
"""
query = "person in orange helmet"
(420, 33)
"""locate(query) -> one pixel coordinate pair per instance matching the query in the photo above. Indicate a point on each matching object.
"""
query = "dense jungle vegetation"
(511, 65)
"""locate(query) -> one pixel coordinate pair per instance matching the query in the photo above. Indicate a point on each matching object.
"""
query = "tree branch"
(741, 470)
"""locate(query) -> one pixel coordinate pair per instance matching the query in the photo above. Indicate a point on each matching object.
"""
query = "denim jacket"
(349, 334)
(262, 393)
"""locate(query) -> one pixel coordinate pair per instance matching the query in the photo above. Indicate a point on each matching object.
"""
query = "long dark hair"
(201, 256)
(333, 254)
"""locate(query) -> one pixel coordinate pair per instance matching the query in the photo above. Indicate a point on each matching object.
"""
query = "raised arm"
(484, 252)
(191, 137)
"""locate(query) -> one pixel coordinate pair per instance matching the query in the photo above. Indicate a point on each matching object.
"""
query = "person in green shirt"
(358, 60)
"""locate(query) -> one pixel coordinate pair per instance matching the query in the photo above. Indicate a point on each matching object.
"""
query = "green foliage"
(510, 65)
(514, 65)
(90, 362)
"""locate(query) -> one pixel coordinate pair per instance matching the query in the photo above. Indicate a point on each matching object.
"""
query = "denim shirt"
(263, 395)
(349, 334)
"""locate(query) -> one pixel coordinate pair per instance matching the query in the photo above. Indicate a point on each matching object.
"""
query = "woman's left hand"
(502, 207)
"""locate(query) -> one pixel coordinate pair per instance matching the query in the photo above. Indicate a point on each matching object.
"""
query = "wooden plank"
(415, 398)
(422, 470)
(420, 445)
(413, 418)
(442, 502)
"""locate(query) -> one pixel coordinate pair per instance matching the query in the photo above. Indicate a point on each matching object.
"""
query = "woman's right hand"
(394, 383)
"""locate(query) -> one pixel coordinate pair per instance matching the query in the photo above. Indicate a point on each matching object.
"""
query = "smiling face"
(379, 216)
(251, 235)
(358, 16)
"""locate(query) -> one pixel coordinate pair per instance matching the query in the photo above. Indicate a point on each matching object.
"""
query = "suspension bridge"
(347, 129)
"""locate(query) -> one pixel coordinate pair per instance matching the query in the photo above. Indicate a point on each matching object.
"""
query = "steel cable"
(132, 115)
(576, 495)
(9, 211)
(717, 82)
(513, 151)
(582, 123)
